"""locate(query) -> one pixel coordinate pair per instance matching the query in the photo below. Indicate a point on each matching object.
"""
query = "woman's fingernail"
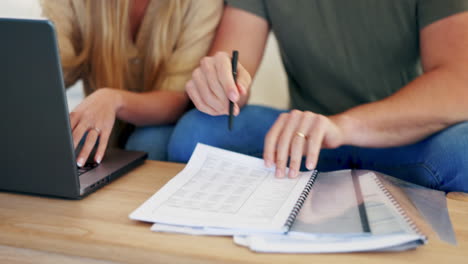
(268, 164)
(309, 166)
(80, 162)
(98, 160)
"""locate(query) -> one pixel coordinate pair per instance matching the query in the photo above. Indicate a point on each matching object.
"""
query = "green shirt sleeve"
(256, 7)
(429, 11)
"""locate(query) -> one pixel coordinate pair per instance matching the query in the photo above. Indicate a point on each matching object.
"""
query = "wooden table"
(97, 229)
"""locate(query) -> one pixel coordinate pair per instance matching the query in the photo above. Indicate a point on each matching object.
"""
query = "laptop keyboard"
(87, 167)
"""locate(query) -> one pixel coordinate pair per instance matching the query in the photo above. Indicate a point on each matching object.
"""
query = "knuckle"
(269, 137)
(197, 105)
(320, 120)
(189, 86)
(205, 62)
(294, 163)
(196, 73)
(220, 112)
(91, 138)
(78, 134)
(221, 55)
(309, 114)
(280, 163)
(204, 109)
(283, 147)
(212, 105)
(284, 115)
(211, 112)
(296, 113)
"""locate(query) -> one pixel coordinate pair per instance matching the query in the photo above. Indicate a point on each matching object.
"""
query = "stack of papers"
(222, 193)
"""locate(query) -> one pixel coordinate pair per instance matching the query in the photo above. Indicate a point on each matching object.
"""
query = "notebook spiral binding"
(297, 207)
(398, 207)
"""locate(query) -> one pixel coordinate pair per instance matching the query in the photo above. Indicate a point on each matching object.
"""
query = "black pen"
(235, 56)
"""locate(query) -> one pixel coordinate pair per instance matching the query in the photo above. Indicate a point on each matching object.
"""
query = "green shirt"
(343, 53)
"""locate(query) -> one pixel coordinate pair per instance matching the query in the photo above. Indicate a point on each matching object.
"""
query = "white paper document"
(219, 189)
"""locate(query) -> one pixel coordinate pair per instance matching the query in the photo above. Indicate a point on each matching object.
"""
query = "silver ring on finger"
(95, 129)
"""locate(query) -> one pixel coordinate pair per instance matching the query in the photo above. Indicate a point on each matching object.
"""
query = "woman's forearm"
(151, 108)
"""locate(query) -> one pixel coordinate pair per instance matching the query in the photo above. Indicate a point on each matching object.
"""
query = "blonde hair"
(104, 32)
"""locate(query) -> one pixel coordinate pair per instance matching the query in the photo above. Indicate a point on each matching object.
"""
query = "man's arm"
(212, 82)
(242, 31)
(430, 103)
(434, 101)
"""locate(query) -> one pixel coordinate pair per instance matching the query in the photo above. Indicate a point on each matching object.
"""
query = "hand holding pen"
(212, 86)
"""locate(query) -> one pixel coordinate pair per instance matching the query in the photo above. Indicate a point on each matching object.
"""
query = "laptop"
(37, 152)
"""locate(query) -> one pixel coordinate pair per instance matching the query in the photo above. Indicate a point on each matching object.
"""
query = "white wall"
(19, 8)
(269, 87)
(270, 83)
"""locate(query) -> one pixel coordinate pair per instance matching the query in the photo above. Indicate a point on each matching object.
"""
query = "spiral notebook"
(332, 220)
(225, 193)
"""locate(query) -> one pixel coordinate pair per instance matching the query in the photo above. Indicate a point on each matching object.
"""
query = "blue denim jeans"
(438, 162)
(151, 139)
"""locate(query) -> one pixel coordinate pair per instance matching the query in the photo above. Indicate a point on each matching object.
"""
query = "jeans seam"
(433, 172)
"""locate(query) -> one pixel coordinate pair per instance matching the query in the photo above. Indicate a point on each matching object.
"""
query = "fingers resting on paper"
(297, 134)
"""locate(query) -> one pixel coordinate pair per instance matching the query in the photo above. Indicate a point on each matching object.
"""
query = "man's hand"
(296, 134)
(94, 116)
(212, 85)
